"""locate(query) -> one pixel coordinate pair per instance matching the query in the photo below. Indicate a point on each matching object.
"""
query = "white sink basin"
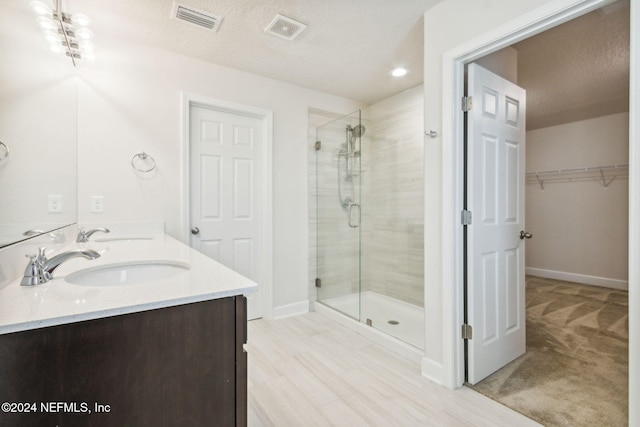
(127, 273)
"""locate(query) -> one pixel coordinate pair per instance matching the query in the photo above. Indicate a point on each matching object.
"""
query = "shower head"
(352, 134)
(358, 131)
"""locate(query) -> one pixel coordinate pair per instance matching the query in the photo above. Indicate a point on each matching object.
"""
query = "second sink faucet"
(83, 236)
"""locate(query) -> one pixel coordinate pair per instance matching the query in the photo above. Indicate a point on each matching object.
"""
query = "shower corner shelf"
(605, 175)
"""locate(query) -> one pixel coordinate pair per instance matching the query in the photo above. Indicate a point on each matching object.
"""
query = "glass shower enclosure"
(339, 209)
(369, 216)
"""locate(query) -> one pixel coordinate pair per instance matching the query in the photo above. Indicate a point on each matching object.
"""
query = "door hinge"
(467, 102)
(318, 145)
(467, 332)
(318, 282)
(465, 217)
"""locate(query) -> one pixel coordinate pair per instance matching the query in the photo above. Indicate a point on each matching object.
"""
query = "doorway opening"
(227, 152)
(593, 173)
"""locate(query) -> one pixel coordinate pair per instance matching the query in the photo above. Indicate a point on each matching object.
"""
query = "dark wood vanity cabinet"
(175, 366)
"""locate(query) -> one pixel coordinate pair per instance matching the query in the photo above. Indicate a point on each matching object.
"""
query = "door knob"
(524, 234)
(195, 230)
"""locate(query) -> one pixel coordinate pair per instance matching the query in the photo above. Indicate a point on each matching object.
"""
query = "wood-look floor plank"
(311, 371)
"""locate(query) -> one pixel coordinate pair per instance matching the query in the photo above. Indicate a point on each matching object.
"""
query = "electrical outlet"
(97, 204)
(55, 203)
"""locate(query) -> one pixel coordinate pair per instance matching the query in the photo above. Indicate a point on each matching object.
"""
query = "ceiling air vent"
(197, 17)
(285, 28)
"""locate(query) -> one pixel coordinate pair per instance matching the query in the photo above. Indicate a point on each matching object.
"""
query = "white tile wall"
(393, 195)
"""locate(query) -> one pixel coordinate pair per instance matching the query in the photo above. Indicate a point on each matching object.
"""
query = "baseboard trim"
(289, 310)
(578, 278)
(432, 370)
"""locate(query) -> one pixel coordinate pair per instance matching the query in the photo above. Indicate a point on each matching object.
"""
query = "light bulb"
(40, 8)
(56, 47)
(86, 46)
(47, 23)
(53, 37)
(80, 20)
(83, 33)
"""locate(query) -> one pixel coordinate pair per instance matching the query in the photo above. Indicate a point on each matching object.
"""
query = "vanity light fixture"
(399, 72)
(66, 33)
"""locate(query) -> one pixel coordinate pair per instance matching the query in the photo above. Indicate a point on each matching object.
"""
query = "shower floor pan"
(395, 317)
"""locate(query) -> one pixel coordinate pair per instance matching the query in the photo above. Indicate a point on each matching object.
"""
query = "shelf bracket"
(540, 182)
(604, 181)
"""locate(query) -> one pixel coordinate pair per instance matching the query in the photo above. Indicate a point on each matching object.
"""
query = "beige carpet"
(575, 371)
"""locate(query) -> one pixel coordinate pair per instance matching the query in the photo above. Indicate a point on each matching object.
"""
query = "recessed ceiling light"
(399, 72)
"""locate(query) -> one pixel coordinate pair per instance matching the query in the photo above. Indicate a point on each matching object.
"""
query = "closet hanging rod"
(578, 170)
(579, 174)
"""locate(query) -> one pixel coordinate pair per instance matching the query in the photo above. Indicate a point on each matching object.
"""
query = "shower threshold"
(395, 322)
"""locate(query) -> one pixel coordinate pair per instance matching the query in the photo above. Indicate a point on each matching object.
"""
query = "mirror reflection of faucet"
(40, 268)
(83, 236)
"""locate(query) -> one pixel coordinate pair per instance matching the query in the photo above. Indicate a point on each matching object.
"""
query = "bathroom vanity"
(166, 352)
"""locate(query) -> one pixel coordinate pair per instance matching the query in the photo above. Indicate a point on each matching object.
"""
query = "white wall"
(580, 229)
(129, 100)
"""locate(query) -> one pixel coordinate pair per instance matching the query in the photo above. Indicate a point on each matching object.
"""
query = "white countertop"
(58, 302)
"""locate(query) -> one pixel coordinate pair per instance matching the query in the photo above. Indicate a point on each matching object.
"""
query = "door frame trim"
(527, 25)
(266, 219)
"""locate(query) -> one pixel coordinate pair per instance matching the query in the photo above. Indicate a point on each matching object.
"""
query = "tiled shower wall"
(393, 198)
(391, 201)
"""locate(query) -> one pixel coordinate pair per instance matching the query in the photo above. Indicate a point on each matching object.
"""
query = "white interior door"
(225, 159)
(495, 196)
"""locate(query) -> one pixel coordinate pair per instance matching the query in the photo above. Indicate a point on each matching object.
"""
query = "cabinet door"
(241, 361)
(171, 366)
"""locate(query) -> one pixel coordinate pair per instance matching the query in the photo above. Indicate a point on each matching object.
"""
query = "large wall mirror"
(38, 129)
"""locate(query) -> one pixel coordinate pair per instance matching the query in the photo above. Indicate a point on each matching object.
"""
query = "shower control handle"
(353, 224)
(195, 230)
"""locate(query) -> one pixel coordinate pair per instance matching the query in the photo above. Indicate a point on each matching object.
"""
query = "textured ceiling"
(575, 71)
(578, 70)
(348, 48)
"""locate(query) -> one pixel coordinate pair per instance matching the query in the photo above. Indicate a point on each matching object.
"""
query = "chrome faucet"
(40, 269)
(83, 236)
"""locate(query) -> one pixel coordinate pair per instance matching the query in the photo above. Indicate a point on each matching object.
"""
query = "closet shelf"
(603, 174)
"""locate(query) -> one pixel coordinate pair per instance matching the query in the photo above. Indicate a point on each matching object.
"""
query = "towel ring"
(6, 151)
(143, 157)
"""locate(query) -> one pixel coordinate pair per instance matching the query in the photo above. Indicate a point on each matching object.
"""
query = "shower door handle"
(351, 222)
